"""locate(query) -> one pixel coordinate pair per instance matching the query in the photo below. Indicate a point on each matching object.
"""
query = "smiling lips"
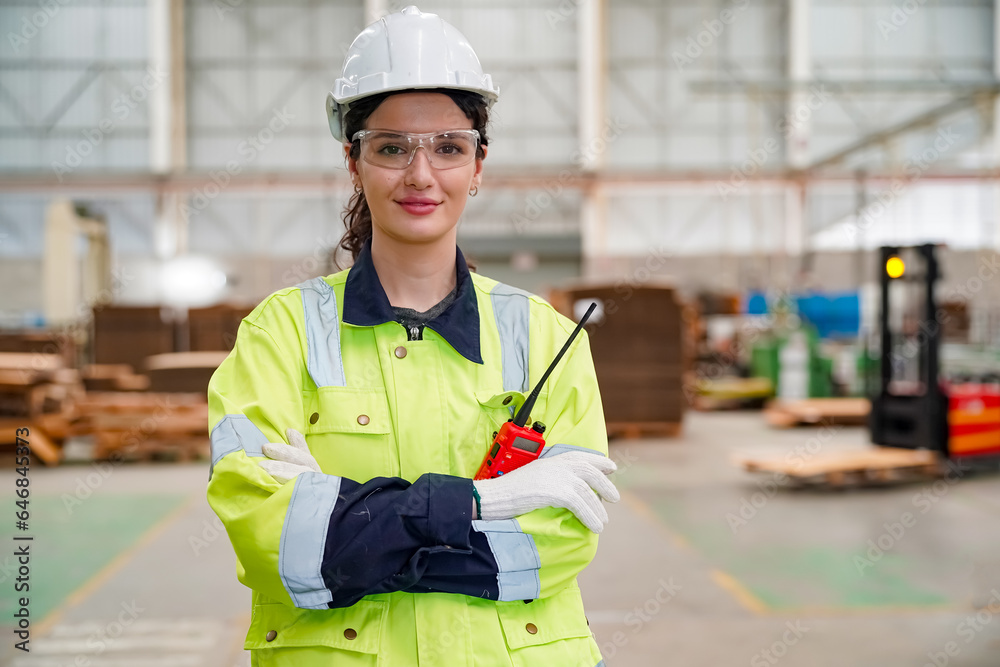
(418, 205)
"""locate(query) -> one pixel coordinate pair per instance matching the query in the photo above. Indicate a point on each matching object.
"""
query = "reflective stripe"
(516, 556)
(323, 360)
(233, 433)
(556, 450)
(303, 539)
(511, 311)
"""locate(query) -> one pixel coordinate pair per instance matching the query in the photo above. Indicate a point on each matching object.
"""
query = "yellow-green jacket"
(377, 560)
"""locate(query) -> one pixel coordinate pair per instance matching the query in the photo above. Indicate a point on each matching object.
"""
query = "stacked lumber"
(37, 392)
(638, 345)
(812, 411)
(143, 426)
(58, 342)
(113, 377)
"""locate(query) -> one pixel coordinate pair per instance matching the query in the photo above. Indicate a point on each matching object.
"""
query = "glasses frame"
(420, 137)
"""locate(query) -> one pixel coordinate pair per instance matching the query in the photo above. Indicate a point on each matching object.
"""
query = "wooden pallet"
(852, 468)
(813, 411)
(37, 392)
(136, 426)
(41, 445)
(635, 430)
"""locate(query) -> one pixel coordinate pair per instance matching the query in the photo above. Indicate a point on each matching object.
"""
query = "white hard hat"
(402, 51)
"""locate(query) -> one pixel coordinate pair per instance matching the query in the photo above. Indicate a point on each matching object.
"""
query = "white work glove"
(285, 462)
(567, 480)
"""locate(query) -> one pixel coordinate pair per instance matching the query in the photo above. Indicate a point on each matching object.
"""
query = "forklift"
(914, 405)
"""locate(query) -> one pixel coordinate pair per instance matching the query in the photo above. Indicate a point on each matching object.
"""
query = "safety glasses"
(395, 150)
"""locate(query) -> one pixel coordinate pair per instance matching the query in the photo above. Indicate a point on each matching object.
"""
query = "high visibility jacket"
(378, 560)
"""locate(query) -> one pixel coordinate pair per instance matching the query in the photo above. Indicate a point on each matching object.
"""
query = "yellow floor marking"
(742, 594)
(849, 612)
(646, 512)
(102, 576)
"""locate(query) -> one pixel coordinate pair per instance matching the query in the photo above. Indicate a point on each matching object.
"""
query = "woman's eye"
(391, 149)
(450, 149)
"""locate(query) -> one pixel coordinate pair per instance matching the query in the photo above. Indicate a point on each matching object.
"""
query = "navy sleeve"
(472, 572)
(383, 532)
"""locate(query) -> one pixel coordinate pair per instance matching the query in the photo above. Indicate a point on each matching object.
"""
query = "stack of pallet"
(184, 372)
(143, 425)
(128, 335)
(113, 377)
(638, 344)
(215, 327)
(813, 411)
(39, 393)
(864, 467)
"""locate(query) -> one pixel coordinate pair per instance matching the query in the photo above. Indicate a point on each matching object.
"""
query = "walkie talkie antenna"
(522, 415)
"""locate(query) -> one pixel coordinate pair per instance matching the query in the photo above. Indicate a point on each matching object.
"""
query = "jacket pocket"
(356, 628)
(349, 431)
(544, 620)
(494, 410)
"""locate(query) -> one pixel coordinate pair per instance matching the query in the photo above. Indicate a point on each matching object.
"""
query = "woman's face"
(419, 204)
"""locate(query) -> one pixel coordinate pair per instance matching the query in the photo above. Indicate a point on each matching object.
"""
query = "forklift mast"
(910, 407)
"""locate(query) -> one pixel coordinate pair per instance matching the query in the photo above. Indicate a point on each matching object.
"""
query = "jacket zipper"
(415, 333)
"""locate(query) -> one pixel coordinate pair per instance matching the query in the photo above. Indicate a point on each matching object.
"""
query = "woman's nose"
(419, 172)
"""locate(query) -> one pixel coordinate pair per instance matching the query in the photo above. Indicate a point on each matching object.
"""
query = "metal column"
(592, 56)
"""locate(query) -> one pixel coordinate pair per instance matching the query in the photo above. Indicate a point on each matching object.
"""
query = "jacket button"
(363, 420)
(313, 418)
(530, 627)
(350, 633)
(270, 636)
(507, 400)
(400, 352)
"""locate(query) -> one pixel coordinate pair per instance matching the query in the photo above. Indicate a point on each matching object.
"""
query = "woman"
(354, 409)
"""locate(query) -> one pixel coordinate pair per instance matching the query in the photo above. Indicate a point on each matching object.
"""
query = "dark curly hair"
(357, 216)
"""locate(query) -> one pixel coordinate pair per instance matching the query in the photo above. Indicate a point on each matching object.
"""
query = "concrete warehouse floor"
(129, 569)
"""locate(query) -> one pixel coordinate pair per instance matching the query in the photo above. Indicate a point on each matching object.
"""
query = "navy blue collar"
(366, 305)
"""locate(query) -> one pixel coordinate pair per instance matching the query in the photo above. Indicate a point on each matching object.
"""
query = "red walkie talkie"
(515, 445)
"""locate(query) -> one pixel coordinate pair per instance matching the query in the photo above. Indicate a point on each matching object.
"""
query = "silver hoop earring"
(358, 189)
(474, 191)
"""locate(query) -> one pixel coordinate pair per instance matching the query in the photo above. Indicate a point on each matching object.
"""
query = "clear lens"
(395, 150)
